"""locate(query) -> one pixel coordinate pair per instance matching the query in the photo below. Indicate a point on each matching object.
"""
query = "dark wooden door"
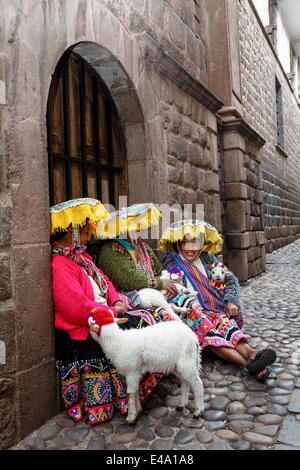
(86, 147)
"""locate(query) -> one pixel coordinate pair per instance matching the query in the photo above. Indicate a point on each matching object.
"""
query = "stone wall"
(281, 175)
(191, 148)
(155, 67)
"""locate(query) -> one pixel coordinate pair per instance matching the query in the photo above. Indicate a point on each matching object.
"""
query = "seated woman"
(216, 316)
(88, 381)
(129, 262)
(132, 265)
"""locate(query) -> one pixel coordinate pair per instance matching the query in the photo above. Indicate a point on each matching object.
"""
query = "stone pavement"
(240, 413)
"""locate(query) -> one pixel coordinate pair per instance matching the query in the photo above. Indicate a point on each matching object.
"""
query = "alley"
(240, 413)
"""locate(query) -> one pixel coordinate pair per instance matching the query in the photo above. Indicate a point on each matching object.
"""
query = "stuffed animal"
(218, 275)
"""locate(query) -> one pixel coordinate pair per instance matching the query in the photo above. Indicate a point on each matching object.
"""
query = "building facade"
(164, 101)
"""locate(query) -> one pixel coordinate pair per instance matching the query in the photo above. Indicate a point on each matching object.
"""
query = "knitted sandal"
(263, 358)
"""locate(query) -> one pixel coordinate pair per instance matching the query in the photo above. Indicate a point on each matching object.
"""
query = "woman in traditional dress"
(88, 381)
(129, 261)
(216, 316)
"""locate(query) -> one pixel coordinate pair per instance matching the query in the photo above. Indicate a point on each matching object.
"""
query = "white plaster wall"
(262, 8)
(283, 45)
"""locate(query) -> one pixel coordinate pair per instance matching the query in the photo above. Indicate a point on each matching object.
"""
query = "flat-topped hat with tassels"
(132, 218)
(75, 212)
(195, 228)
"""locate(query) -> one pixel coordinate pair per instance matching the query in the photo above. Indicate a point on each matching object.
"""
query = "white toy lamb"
(168, 347)
(218, 275)
(150, 298)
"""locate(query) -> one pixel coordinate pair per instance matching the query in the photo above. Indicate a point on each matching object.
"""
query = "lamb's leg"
(132, 381)
(197, 387)
(190, 373)
(185, 389)
(138, 405)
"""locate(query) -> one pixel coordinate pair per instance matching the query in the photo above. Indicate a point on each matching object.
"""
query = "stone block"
(236, 216)
(195, 154)
(6, 213)
(136, 142)
(29, 183)
(258, 197)
(233, 141)
(34, 304)
(8, 336)
(236, 191)
(2, 92)
(177, 146)
(261, 238)
(5, 278)
(8, 427)
(175, 29)
(212, 183)
(238, 240)
(37, 386)
(290, 431)
(238, 263)
(128, 105)
(234, 166)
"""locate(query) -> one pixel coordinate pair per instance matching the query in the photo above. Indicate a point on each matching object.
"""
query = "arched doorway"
(86, 146)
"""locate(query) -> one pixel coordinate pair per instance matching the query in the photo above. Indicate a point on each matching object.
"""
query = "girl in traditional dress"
(89, 383)
(216, 316)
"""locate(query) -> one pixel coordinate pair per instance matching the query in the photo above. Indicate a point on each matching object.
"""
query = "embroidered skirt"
(214, 329)
(89, 383)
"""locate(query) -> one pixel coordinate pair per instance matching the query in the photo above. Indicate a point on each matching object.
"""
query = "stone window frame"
(279, 124)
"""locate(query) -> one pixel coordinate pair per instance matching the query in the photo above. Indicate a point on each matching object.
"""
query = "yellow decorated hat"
(193, 227)
(132, 218)
(75, 212)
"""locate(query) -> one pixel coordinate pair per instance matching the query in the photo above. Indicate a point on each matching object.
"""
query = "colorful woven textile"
(75, 212)
(193, 227)
(133, 218)
(209, 297)
(143, 260)
(214, 329)
(89, 383)
(75, 253)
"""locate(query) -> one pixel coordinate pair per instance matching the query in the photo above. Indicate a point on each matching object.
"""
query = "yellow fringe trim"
(61, 221)
(113, 228)
(212, 239)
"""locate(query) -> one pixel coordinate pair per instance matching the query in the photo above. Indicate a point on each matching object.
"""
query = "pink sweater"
(73, 297)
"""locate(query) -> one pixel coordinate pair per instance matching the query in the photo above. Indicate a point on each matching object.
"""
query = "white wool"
(162, 348)
(153, 298)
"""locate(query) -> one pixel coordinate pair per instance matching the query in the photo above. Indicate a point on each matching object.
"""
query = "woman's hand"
(231, 309)
(121, 308)
(170, 287)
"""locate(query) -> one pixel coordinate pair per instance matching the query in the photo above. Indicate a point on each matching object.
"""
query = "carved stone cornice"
(165, 64)
(240, 126)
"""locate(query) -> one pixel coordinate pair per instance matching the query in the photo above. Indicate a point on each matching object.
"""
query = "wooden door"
(85, 140)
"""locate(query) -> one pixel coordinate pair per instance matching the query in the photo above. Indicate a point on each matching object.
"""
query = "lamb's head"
(94, 327)
(218, 272)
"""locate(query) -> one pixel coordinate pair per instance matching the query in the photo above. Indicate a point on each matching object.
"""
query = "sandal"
(264, 377)
(154, 401)
(263, 358)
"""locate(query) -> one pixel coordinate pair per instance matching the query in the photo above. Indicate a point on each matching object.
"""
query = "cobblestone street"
(240, 413)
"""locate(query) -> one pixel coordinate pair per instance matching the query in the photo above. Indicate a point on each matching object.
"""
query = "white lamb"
(169, 347)
(154, 298)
